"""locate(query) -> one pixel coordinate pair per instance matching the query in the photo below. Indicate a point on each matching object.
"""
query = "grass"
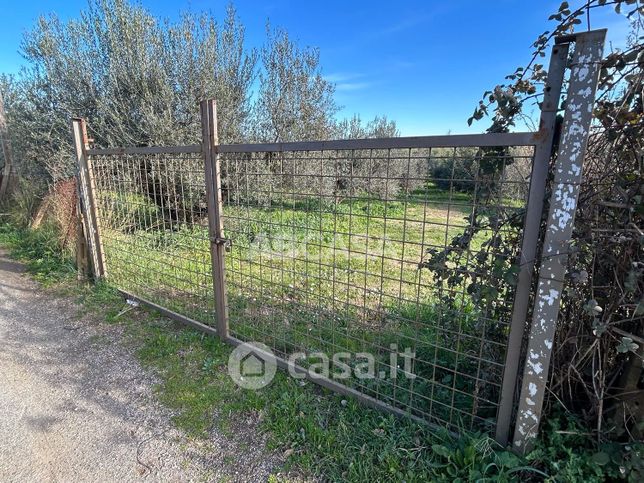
(40, 250)
(321, 433)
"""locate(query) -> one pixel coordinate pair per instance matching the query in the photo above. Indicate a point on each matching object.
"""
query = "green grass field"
(303, 276)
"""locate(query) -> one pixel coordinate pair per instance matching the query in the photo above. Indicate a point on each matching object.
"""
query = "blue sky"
(423, 63)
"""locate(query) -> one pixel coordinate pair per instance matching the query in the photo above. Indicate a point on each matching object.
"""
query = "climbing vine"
(598, 355)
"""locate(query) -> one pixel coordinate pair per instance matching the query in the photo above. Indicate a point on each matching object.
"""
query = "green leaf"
(601, 458)
(639, 310)
(627, 345)
(512, 274)
(508, 460)
(441, 450)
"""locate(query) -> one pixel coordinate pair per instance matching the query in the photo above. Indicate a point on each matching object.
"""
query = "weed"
(40, 250)
(568, 453)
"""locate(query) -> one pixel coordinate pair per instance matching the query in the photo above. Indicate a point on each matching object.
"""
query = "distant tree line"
(138, 79)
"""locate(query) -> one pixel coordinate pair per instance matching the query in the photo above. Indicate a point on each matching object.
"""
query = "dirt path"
(76, 406)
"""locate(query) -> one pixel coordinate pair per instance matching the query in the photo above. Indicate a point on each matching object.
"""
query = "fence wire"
(153, 219)
(333, 252)
(357, 251)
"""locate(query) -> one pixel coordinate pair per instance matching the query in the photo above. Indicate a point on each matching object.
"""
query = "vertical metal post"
(527, 257)
(88, 202)
(567, 178)
(212, 165)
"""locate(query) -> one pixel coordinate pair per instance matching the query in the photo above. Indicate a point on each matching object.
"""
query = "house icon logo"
(252, 365)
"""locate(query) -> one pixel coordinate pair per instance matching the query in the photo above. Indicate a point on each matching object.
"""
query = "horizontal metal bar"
(457, 140)
(170, 314)
(191, 148)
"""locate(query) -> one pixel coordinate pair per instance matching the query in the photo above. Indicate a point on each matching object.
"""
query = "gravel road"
(76, 406)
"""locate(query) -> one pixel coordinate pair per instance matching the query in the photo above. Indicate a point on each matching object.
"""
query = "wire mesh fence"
(152, 213)
(395, 270)
(357, 256)
(338, 251)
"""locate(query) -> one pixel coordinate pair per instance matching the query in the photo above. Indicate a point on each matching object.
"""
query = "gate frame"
(212, 166)
(531, 234)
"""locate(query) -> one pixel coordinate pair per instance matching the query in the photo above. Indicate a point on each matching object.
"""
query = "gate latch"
(227, 243)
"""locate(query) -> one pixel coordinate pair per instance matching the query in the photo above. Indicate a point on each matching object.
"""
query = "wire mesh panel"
(376, 254)
(153, 218)
(369, 266)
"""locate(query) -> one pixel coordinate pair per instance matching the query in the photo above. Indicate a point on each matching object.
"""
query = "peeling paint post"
(585, 67)
(532, 226)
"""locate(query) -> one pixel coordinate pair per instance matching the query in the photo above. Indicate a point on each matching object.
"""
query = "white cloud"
(352, 86)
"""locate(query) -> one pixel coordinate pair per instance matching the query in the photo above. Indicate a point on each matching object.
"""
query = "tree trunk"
(6, 150)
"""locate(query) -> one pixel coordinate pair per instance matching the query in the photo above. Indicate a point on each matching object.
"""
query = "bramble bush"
(596, 371)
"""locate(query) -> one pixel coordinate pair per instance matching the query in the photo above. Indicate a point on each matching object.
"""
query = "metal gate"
(369, 248)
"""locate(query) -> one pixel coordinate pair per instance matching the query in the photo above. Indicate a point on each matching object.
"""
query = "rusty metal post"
(87, 197)
(527, 257)
(585, 67)
(212, 166)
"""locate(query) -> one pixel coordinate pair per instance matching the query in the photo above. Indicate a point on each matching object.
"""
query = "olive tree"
(295, 101)
(136, 78)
